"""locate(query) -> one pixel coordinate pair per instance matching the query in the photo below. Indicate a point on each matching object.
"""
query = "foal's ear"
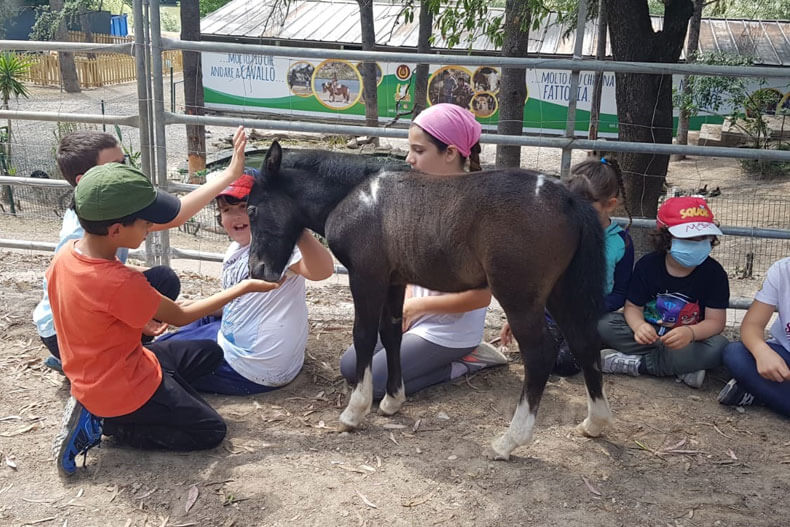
(271, 163)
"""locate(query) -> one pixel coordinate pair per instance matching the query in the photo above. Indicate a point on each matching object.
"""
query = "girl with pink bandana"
(442, 331)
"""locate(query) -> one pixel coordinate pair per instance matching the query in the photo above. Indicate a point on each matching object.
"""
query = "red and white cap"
(240, 188)
(687, 217)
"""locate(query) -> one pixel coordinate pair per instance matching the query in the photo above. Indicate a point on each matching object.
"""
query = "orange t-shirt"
(99, 308)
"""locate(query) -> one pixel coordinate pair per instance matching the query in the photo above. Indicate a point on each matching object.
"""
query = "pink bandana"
(452, 125)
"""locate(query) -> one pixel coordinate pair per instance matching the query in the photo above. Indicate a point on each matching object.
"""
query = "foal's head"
(276, 220)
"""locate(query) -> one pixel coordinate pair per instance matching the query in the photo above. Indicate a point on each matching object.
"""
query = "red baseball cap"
(240, 188)
(687, 217)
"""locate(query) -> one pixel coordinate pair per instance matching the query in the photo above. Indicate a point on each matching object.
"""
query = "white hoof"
(592, 427)
(349, 421)
(392, 405)
(501, 448)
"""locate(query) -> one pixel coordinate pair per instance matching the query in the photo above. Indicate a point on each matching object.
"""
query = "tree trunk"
(193, 86)
(644, 101)
(68, 70)
(86, 28)
(369, 69)
(691, 51)
(513, 86)
(423, 46)
(600, 54)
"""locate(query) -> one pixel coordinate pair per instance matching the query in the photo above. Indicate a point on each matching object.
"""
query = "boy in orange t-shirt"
(142, 396)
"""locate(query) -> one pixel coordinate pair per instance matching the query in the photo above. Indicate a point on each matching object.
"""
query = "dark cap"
(113, 190)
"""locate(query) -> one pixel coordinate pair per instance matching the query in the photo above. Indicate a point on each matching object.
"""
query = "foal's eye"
(251, 212)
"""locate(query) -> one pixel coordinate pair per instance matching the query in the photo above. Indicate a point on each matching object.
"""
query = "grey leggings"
(423, 364)
(659, 360)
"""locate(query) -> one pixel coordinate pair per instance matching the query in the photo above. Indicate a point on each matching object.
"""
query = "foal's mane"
(339, 168)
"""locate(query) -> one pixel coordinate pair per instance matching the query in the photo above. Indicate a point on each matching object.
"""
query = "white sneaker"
(612, 361)
(693, 379)
(483, 356)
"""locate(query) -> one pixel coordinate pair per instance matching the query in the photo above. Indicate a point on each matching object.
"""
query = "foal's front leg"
(391, 332)
(368, 303)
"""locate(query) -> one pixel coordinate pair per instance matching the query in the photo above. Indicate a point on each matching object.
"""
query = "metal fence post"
(570, 125)
(143, 107)
(157, 78)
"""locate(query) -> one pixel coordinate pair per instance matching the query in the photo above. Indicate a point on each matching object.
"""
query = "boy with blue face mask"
(676, 303)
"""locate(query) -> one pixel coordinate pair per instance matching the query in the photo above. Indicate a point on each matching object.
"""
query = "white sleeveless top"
(451, 330)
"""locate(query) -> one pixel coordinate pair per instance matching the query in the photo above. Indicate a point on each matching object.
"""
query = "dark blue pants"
(162, 278)
(741, 363)
(223, 379)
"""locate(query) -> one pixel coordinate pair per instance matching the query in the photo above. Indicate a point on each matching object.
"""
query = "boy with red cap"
(140, 395)
(263, 335)
(676, 302)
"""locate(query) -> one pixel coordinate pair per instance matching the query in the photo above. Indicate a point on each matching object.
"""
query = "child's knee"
(348, 364)
(608, 325)
(214, 436)
(735, 355)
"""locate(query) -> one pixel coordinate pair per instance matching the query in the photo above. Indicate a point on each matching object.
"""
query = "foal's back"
(447, 232)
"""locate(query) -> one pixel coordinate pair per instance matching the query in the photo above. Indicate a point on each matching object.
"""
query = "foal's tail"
(581, 292)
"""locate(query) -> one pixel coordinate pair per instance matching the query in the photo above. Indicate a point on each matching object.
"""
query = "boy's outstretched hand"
(253, 285)
(239, 144)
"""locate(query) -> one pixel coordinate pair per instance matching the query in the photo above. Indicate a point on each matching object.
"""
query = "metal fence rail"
(152, 119)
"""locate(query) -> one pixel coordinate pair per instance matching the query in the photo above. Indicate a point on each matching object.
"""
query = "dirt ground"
(673, 457)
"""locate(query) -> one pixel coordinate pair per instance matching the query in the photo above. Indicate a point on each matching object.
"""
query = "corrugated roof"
(336, 23)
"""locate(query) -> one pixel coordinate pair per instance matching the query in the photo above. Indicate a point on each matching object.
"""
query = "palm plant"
(12, 67)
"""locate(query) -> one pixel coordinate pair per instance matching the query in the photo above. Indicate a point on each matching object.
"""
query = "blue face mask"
(689, 253)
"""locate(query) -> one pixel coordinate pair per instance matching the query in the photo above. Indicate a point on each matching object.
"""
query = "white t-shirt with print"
(263, 335)
(451, 330)
(776, 292)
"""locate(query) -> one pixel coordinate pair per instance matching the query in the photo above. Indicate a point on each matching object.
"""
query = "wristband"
(693, 336)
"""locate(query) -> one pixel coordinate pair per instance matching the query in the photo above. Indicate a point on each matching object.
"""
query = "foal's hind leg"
(369, 296)
(390, 330)
(538, 356)
(581, 334)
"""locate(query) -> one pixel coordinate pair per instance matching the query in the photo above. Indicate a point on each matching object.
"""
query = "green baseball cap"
(114, 190)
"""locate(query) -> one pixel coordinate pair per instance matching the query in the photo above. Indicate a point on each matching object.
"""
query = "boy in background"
(82, 150)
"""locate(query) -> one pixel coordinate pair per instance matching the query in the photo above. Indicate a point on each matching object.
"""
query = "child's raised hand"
(239, 144)
(645, 334)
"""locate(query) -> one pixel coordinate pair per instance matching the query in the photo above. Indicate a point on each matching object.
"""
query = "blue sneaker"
(53, 363)
(79, 432)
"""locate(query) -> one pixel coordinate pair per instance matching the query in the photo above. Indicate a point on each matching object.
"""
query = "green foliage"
(12, 67)
(47, 22)
(768, 170)
(132, 155)
(764, 9)
(466, 20)
(209, 6)
(169, 21)
(713, 93)
(746, 104)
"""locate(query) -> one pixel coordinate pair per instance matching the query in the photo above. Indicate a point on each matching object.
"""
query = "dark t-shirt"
(671, 301)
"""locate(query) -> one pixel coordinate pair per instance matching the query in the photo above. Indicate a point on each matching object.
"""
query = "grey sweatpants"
(423, 364)
(659, 360)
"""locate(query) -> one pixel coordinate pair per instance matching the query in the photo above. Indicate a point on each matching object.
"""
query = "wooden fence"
(94, 71)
